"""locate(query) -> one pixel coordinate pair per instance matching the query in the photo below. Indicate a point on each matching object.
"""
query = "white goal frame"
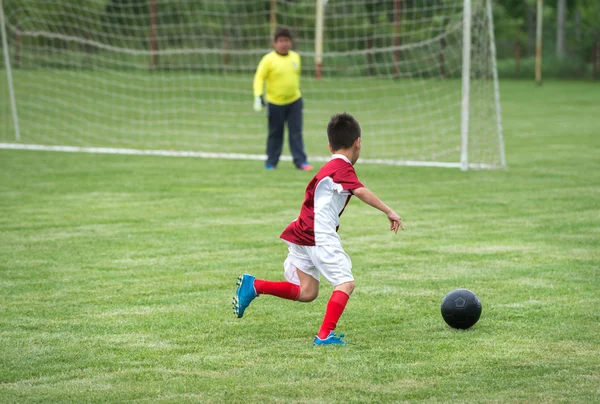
(464, 163)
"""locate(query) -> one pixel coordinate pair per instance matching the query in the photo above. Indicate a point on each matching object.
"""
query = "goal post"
(490, 16)
(175, 78)
(466, 84)
(9, 81)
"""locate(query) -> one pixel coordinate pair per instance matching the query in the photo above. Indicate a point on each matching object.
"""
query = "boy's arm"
(368, 197)
(260, 76)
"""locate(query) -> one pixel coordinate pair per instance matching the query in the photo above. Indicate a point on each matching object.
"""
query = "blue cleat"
(270, 167)
(331, 339)
(244, 294)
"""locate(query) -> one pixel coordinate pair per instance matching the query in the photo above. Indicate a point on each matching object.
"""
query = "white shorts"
(331, 261)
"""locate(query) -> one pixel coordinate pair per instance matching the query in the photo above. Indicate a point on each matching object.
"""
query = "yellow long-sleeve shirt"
(282, 74)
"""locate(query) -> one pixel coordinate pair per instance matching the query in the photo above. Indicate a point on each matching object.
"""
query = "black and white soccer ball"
(461, 309)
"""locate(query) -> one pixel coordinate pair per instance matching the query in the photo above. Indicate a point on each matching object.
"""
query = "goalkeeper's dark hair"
(282, 31)
(342, 131)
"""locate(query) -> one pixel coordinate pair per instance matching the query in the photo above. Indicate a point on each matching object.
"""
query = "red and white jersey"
(325, 199)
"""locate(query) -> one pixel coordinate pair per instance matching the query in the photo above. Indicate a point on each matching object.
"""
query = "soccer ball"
(461, 308)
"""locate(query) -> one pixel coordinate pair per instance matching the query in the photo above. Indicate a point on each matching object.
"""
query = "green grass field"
(117, 274)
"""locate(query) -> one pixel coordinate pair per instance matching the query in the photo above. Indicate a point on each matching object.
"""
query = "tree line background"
(571, 32)
(571, 38)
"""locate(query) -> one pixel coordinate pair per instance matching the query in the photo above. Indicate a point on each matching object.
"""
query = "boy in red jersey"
(314, 246)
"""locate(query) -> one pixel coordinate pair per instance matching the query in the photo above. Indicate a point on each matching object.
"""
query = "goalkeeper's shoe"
(305, 167)
(331, 339)
(244, 294)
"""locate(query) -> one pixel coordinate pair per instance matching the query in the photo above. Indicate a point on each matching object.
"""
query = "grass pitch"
(117, 274)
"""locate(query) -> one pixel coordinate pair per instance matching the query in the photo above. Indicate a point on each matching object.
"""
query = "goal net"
(175, 77)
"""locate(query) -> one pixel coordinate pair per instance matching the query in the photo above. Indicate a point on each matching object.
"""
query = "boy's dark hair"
(342, 131)
(281, 31)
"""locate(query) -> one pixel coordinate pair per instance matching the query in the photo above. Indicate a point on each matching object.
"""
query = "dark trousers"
(277, 115)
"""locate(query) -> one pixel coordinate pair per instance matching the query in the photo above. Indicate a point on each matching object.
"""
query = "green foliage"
(582, 29)
(552, 67)
(225, 26)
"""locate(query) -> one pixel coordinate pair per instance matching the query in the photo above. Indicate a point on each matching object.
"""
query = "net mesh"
(177, 75)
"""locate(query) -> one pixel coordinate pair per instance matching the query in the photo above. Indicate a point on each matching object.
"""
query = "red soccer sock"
(335, 308)
(285, 290)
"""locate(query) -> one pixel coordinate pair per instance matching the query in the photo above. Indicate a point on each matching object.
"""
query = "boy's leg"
(276, 117)
(284, 290)
(294, 119)
(250, 288)
(335, 308)
(307, 291)
(336, 266)
(309, 287)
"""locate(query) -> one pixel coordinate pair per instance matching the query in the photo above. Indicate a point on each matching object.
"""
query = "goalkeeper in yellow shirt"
(280, 70)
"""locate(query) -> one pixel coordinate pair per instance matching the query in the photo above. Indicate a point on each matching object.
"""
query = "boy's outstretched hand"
(370, 198)
(395, 222)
